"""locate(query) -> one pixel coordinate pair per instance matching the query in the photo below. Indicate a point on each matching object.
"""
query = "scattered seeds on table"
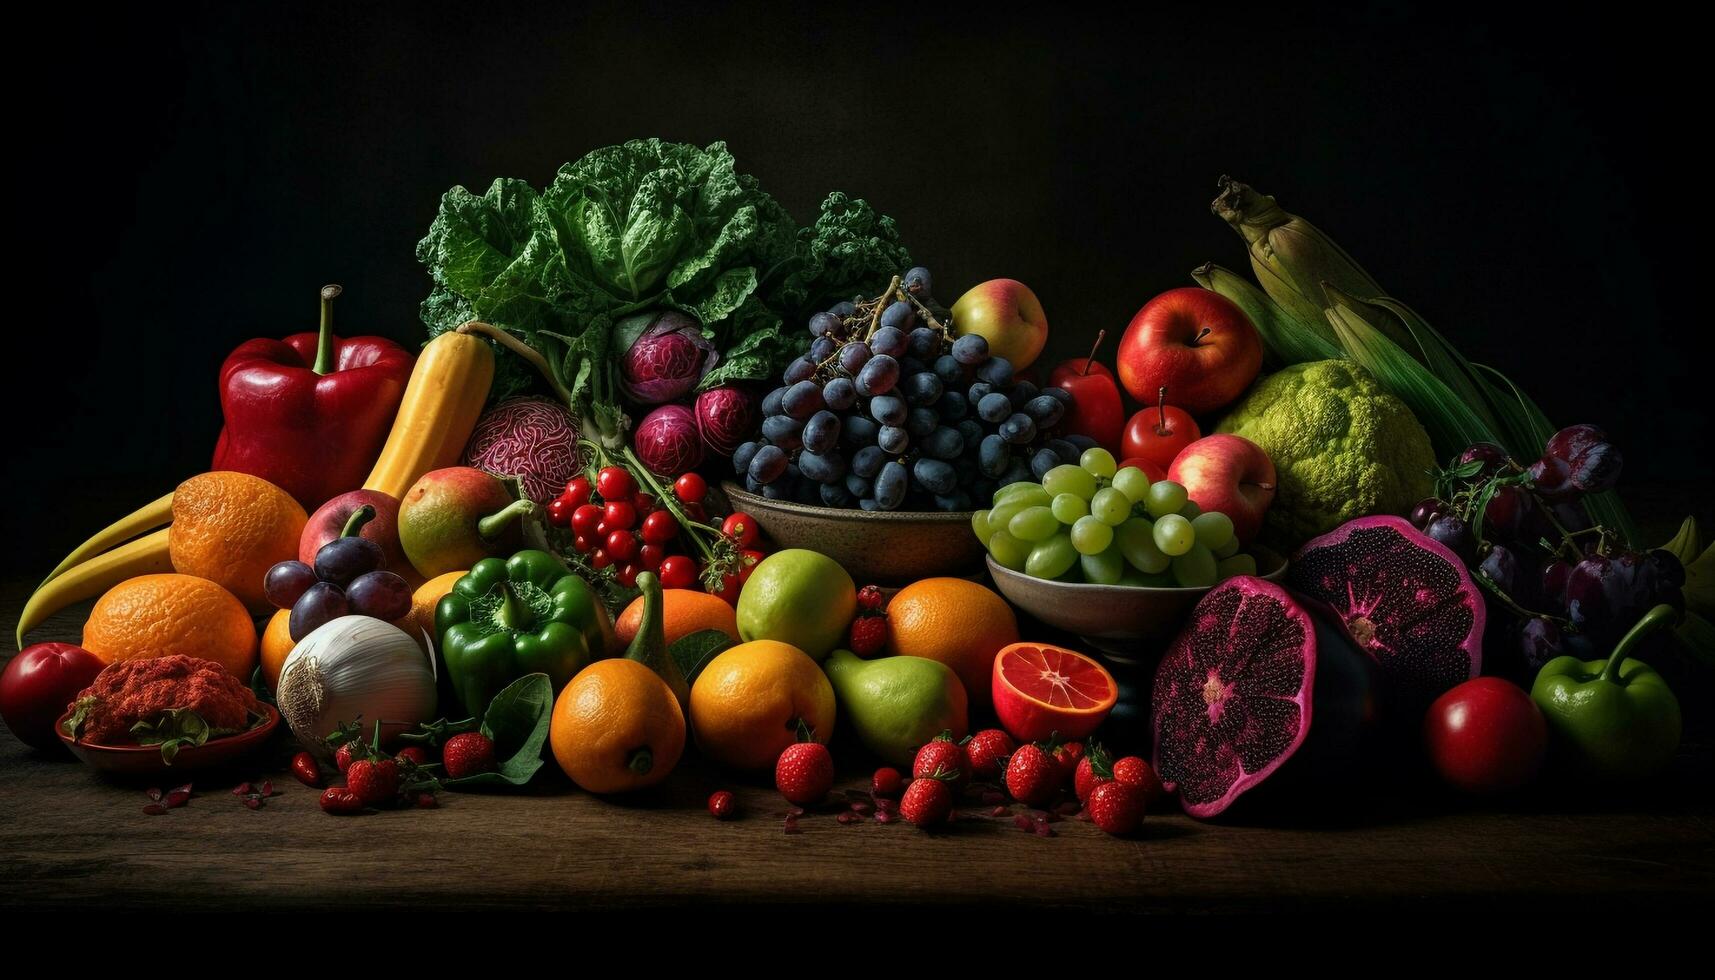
(154, 809)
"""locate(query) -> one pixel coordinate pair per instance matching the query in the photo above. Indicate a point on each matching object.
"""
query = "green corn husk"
(1292, 258)
(1441, 358)
(1451, 423)
(1288, 339)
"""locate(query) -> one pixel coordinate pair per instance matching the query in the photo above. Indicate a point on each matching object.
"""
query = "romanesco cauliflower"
(1342, 448)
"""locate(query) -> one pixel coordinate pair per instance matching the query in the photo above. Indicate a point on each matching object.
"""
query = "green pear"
(895, 704)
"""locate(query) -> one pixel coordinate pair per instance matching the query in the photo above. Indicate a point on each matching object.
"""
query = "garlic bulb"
(354, 668)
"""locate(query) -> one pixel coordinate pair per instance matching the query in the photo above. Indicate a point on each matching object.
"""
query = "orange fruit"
(955, 621)
(230, 528)
(160, 615)
(421, 618)
(749, 701)
(683, 612)
(277, 645)
(617, 727)
(1040, 690)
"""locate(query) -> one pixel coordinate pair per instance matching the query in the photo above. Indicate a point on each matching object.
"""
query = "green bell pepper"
(1616, 718)
(527, 614)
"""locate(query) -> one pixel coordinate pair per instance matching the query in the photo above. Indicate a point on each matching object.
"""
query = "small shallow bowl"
(1128, 623)
(881, 547)
(140, 760)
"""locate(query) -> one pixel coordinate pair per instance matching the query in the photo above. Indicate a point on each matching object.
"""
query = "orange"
(955, 621)
(617, 727)
(683, 612)
(277, 645)
(749, 702)
(421, 618)
(230, 528)
(160, 615)
(1040, 690)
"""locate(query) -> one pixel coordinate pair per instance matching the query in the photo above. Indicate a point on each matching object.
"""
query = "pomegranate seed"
(999, 811)
(860, 807)
(722, 805)
(845, 818)
(884, 817)
(267, 787)
(178, 798)
(795, 812)
(241, 789)
(1022, 822)
(427, 801)
(185, 789)
(253, 802)
(154, 809)
(155, 793)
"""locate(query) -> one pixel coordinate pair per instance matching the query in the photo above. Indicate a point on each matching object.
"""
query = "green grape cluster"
(1092, 523)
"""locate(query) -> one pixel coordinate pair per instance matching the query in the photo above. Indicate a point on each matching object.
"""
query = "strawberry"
(1067, 755)
(304, 767)
(1094, 769)
(928, 801)
(1032, 777)
(467, 755)
(869, 598)
(414, 754)
(944, 756)
(346, 753)
(340, 801)
(804, 773)
(1136, 772)
(988, 751)
(1116, 807)
(886, 783)
(374, 781)
(869, 635)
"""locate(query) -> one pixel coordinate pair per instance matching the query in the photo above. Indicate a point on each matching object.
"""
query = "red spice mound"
(131, 691)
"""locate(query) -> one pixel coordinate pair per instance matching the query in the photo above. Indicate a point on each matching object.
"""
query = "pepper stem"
(324, 343)
(495, 524)
(514, 613)
(359, 517)
(641, 761)
(1652, 621)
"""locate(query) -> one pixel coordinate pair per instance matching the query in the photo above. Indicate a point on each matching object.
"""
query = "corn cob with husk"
(1286, 338)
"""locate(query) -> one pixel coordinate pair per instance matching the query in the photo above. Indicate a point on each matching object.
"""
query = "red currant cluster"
(616, 523)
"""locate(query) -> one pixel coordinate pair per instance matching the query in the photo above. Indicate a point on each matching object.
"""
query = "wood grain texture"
(69, 838)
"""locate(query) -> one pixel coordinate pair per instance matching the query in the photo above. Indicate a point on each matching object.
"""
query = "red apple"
(1155, 473)
(1159, 433)
(1230, 474)
(1096, 408)
(1007, 314)
(1485, 736)
(1194, 341)
(329, 520)
(37, 686)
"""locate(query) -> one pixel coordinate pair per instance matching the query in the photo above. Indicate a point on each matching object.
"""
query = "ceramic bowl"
(1127, 623)
(140, 760)
(881, 547)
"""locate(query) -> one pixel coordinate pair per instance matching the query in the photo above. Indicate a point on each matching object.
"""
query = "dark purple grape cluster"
(349, 578)
(887, 410)
(1558, 584)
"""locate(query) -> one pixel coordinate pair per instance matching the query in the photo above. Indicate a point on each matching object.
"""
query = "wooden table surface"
(69, 838)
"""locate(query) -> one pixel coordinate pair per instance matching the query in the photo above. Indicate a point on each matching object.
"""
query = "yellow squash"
(441, 405)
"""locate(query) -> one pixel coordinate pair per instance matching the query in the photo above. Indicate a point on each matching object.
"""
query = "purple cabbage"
(726, 417)
(667, 360)
(667, 441)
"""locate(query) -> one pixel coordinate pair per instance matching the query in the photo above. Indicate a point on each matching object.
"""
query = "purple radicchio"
(667, 360)
(667, 440)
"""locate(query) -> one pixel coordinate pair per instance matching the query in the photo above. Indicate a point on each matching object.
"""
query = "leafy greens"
(641, 226)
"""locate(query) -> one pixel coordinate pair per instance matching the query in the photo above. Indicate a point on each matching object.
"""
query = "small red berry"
(615, 483)
(1116, 807)
(722, 805)
(660, 527)
(690, 488)
(928, 802)
(887, 782)
(619, 515)
(340, 801)
(678, 572)
(427, 801)
(578, 491)
(585, 519)
(644, 501)
(628, 574)
(417, 755)
(304, 767)
(868, 635)
(343, 756)
(599, 558)
(988, 751)
(621, 545)
(869, 598)
(740, 527)
(467, 754)
(559, 512)
(804, 773)
(650, 557)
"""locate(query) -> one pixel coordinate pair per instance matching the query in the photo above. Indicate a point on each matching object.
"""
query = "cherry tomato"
(678, 572)
(583, 543)
(37, 685)
(650, 556)
(615, 483)
(730, 588)
(660, 527)
(585, 518)
(690, 488)
(644, 502)
(740, 527)
(578, 490)
(619, 515)
(628, 575)
(599, 559)
(558, 514)
(620, 545)
(747, 562)
(1485, 736)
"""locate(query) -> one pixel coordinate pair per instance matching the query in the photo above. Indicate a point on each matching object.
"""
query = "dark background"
(186, 179)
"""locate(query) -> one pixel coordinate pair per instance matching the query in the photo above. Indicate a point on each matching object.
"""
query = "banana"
(146, 518)
(144, 556)
(1687, 543)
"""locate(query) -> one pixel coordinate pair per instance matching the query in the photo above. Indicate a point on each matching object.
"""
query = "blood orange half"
(1040, 690)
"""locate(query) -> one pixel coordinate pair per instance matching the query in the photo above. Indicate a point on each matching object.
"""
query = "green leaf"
(1687, 544)
(693, 651)
(517, 722)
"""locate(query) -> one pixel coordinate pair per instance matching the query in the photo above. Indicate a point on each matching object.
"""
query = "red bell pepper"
(310, 414)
